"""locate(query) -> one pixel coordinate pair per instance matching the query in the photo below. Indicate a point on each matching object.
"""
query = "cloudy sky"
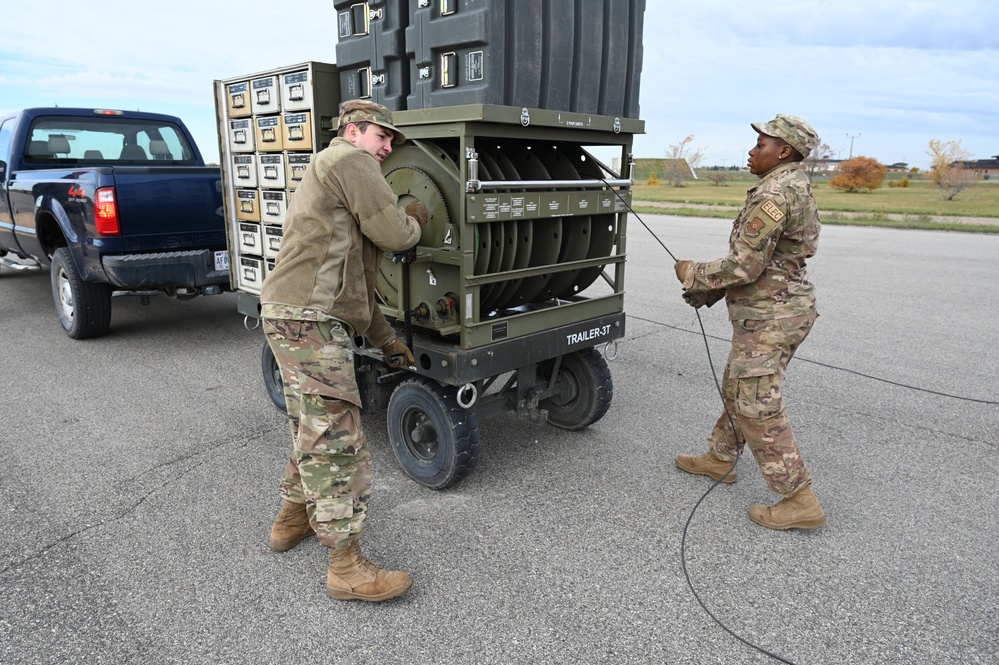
(891, 74)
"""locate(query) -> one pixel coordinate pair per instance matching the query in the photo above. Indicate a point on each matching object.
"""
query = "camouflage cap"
(360, 110)
(798, 133)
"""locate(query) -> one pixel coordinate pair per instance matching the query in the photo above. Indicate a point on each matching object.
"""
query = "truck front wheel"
(84, 308)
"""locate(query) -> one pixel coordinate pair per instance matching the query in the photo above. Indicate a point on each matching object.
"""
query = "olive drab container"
(371, 52)
(583, 56)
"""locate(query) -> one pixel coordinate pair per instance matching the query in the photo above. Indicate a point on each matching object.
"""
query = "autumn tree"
(681, 160)
(859, 173)
(947, 170)
(814, 162)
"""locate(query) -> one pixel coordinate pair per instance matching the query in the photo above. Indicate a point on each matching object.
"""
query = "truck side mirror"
(3, 170)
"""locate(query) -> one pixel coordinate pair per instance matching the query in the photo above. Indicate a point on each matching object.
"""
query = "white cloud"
(899, 73)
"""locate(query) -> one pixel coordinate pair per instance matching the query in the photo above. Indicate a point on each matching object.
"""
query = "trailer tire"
(83, 308)
(272, 378)
(435, 441)
(584, 390)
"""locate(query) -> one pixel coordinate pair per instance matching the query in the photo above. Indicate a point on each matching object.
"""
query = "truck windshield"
(106, 140)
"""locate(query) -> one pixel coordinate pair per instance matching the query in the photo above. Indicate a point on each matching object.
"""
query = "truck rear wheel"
(435, 440)
(272, 378)
(583, 390)
(84, 308)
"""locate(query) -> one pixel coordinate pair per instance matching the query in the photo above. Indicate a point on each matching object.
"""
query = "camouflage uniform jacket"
(342, 217)
(764, 275)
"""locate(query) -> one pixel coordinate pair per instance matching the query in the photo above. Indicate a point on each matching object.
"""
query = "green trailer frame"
(540, 359)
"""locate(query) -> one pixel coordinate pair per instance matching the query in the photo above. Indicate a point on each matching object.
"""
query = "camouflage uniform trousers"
(330, 467)
(753, 390)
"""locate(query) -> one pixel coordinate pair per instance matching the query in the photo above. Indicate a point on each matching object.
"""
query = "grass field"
(916, 204)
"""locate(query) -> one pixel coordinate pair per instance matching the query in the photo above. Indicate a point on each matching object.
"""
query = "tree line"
(948, 171)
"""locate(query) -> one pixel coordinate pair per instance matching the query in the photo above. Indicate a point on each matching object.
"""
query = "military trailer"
(515, 292)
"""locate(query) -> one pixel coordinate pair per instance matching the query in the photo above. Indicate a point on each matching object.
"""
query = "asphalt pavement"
(139, 481)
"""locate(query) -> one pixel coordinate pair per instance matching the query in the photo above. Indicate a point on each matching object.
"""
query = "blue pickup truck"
(112, 203)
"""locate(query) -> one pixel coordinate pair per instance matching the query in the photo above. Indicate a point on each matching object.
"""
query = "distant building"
(983, 168)
(897, 167)
(662, 168)
(680, 167)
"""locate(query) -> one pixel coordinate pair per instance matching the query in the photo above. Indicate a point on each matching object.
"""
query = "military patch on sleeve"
(754, 227)
(772, 210)
(763, 221)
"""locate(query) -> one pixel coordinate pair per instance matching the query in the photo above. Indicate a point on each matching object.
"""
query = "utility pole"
(851, 137)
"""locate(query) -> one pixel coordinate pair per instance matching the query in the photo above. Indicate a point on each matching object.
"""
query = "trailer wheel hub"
(422, 435)
(566, 389)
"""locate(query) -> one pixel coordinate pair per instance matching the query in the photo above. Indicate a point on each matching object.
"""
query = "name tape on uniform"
(772, 211)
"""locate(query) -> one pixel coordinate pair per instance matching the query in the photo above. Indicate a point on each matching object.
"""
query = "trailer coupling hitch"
(530, 408)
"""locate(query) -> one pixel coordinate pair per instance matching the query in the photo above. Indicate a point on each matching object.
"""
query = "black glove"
(695, 300)
(698, 299)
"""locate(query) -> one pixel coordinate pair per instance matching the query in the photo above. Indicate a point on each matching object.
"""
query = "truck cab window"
(75, 139)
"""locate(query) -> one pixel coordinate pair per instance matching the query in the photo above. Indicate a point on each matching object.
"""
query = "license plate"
(222, 260)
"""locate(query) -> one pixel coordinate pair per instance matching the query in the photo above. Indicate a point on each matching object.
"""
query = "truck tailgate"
(164, 209)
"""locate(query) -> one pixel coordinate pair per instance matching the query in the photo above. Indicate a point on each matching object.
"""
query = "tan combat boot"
(800, 511)
(707, 465)
(353, 577)
(290, 527)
